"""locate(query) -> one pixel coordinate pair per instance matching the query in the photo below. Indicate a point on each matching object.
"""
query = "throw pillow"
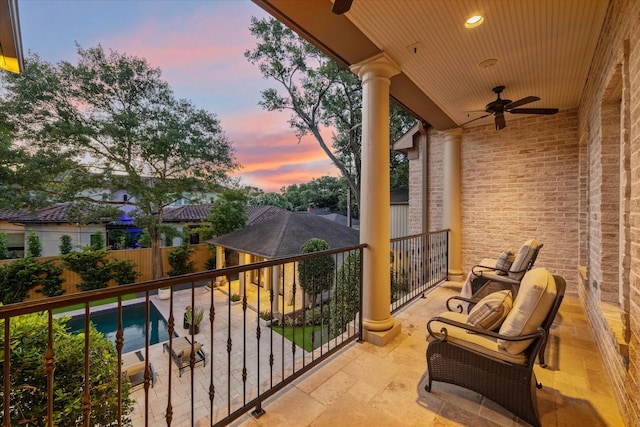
(490, 311)
(504, 262)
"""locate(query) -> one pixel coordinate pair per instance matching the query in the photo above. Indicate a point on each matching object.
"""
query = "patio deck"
(374, 386)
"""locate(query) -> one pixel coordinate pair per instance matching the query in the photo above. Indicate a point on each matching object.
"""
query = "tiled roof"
(189, 213)
(57, 213)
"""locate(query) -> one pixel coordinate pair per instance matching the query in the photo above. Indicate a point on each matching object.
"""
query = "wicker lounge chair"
(183, 353)
(498, 365)
(487, 277)
(134, 366)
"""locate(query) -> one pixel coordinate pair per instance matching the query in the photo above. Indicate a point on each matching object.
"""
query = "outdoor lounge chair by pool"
(133, 366)
(181, 350)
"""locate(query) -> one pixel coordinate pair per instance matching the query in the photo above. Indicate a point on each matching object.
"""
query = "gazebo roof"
(285, 233)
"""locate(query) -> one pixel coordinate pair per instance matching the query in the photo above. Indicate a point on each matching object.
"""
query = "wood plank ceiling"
(542, 48)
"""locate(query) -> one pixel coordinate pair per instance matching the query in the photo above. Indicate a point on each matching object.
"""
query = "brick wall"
(519, 183)
(611, 128)
(633, 376)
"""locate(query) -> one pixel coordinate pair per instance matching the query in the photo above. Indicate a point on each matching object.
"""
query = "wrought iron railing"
(243, 352)
(418, 263)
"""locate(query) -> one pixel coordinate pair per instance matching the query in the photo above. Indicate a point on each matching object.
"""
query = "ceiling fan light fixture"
(474, 21)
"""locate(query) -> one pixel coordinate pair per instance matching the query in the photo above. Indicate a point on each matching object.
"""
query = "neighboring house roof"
(58, 213)
(285, 233)
(187, 213)
(339, 218)
(9, 214)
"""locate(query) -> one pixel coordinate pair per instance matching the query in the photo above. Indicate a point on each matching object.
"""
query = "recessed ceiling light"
(490, 62)
(474, 21)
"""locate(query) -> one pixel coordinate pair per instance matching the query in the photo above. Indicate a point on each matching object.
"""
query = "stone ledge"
(614, 317)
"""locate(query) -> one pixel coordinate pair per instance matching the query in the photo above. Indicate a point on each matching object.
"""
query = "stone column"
(375, 73)
(452, 200)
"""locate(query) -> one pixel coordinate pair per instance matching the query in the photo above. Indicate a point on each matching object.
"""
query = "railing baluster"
(50, 366)
(86, 397)
(119, 345)
(7, 374)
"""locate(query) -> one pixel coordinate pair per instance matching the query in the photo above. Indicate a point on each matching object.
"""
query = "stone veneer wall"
(617, 57)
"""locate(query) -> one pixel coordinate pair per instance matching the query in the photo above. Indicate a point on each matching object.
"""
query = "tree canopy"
(117, 125)
(319, 93)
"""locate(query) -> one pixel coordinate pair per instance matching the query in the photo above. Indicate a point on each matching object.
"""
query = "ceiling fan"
(498, 107)
(341, 6)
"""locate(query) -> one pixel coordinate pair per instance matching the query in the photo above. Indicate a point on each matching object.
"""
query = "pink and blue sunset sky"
(199, 45)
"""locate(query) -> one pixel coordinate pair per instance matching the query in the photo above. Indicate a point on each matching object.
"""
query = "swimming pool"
(133, 325)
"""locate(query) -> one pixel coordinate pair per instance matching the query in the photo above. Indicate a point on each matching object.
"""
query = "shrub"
(345, 301)
(314, 275)
(65, 244)
(34, 247)
(179, 261)
(96, 271)
(4, 249)
(22, 275)
(29, 380)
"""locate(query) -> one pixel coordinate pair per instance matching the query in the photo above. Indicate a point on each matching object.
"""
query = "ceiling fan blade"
(500, 122)
(341, 6)
(473, 120)
(547, 111)
(520, 102)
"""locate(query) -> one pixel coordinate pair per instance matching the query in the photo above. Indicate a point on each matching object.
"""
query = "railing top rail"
(26, 307)
(399, 239)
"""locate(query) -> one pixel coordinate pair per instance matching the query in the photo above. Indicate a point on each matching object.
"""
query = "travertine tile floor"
(366, 385)
(371, 386)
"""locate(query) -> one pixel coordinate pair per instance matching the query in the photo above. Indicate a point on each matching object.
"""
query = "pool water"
(133, 325)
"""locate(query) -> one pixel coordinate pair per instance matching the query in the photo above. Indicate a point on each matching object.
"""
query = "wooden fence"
(140, 257)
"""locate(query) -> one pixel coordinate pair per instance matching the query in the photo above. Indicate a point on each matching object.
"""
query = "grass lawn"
(93, 304)
(301, 336)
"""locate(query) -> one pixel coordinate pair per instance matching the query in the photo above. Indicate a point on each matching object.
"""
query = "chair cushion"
(475, 342)
(525, 253)
(504, 262)
(531, 306)
(490, 311)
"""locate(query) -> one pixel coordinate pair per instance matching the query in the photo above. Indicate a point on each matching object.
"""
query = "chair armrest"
(459, 308)
(442, 335)
(477, 269)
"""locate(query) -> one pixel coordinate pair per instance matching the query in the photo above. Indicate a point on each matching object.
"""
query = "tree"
(29, 380)
(27, 176)
(318, 92)
(270, 199)
(327, 193)
(116, 111)
(229, 212)
(314, 275)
